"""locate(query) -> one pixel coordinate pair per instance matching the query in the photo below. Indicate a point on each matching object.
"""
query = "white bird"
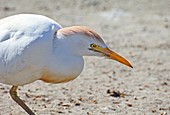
(34, 47)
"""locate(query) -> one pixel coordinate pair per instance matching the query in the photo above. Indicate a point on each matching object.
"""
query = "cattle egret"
(34, 47)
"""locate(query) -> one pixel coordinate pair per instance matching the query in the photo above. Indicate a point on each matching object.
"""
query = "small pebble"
(129, 104)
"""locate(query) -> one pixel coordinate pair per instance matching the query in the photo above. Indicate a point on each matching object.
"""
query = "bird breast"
(62, 69)
(51, 77)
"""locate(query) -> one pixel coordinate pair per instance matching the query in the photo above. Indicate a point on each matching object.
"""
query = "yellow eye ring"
(93, 45)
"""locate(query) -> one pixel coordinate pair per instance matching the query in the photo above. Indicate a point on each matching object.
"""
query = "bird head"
(85, 42)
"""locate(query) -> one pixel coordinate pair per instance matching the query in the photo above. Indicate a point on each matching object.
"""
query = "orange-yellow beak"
(113, 55)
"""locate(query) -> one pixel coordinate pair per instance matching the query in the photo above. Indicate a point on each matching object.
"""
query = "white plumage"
(25, 45)
(34, 47)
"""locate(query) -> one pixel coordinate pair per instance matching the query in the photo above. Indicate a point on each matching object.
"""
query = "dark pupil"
(93, 45)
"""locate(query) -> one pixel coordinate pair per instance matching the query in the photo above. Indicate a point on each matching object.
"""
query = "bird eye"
(93, 45)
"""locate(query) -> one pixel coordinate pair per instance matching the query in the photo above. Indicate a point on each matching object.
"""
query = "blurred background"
(137, 29)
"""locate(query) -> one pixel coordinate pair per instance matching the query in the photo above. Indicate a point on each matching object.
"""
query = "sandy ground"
(137, 29)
